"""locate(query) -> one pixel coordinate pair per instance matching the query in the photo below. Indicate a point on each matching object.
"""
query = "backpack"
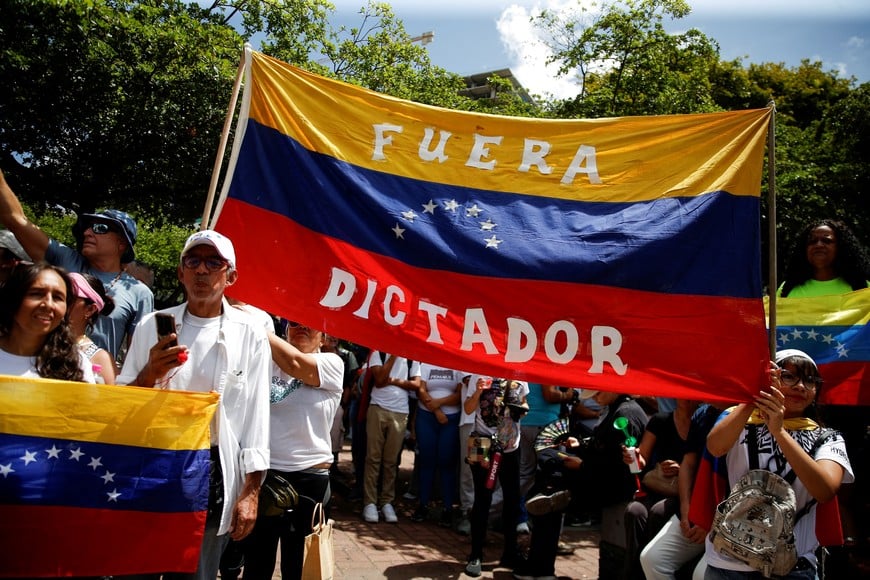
(755, 523)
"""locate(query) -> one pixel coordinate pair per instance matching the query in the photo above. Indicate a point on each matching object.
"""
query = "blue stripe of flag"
(58, 472)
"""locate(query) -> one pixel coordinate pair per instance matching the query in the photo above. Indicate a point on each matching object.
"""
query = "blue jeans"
(438, 447)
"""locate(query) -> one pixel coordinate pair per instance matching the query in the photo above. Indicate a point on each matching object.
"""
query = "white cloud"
(529, 55)
(855, 43)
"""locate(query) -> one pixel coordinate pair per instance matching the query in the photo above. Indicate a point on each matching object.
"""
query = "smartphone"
(165, 327)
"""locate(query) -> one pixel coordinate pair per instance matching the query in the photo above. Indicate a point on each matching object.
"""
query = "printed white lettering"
(572, 342)
(341, 288)
(560, 343)
(534, 152)
(397, 318)
(479, 151)
(520, 331)
(363, 310)
(381, 139)
(425, 151)
(476, 330)
(606, 342)
(433, 313)
(585, 154)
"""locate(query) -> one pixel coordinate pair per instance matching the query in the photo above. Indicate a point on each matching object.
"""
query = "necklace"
(115, 279)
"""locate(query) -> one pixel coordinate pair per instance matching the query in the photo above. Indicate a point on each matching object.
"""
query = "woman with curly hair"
(35, 337)
(827, 259)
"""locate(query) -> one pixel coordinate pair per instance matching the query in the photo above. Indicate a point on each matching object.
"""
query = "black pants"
(261, 546)
(509, 478)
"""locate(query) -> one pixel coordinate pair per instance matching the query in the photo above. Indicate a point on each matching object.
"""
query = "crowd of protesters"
(548, 456)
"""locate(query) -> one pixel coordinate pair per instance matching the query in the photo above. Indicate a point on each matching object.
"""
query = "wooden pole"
(222, 147)
(771, 229)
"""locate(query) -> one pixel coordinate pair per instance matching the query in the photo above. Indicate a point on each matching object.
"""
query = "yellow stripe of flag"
(135, 416)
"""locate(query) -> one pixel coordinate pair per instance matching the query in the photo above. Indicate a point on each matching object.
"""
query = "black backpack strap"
(752, 444)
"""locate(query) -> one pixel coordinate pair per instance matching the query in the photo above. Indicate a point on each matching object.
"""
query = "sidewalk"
(409, 550)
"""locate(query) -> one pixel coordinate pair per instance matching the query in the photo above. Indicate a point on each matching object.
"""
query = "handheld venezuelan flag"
(617, 254)
(833, 331)
(99, 480)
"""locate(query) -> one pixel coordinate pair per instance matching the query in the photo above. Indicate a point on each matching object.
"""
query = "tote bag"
(319, 560)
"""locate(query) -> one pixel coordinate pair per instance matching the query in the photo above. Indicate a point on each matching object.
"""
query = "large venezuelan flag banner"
(100, 480)
(617, 254)
(834, 331)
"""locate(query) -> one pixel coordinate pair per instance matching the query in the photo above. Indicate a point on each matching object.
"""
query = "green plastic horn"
(621, 424)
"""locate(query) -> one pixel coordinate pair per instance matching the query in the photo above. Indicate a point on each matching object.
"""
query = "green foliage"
(628, 63)
(112, 103)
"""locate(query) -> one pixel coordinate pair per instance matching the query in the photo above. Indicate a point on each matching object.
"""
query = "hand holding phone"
(165, 327)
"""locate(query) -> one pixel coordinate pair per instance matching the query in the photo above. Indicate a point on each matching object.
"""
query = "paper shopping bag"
(318, 563)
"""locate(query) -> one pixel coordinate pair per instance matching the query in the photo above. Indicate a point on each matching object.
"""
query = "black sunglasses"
(211, 264)
(790, 379)
(101, 228)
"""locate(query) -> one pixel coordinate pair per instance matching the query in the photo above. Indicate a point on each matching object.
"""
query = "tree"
(112, 103)
(628, 63)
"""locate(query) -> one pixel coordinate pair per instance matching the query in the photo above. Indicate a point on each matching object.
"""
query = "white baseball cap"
(219, 242)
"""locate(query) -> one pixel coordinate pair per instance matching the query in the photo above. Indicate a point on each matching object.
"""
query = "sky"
(474, 36)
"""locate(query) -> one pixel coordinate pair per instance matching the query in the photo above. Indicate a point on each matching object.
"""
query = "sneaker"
(585, 524)
(563, 549)
(409, 495)
(420, 514)
(464, 526)
(523, 528)
(389, 513)
(370, 513)
(544, 504)
(473, 568)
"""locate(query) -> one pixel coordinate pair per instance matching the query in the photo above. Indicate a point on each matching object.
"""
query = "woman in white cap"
(779, 433)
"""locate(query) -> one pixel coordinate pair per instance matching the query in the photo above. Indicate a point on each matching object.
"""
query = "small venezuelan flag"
(833, 330)
(99, 480)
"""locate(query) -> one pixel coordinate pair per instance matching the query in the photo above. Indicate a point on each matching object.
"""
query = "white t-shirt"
(25, 366)
(771, 458)
(440, 383)
(301, 421)
(391, 397)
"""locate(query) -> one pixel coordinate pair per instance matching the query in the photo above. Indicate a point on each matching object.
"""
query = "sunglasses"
(211, 264)
(790, 379)
(101, 228)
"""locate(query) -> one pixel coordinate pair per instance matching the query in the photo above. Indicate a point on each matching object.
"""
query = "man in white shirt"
(386, 421)
(219, 348)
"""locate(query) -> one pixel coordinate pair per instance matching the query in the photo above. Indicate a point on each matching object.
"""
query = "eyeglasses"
(211, 264)
(101, 228)
(790, 379)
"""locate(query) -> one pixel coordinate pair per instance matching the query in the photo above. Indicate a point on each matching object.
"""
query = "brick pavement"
(409, 550)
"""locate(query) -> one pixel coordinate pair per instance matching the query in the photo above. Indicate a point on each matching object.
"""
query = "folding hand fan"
(552, 435)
